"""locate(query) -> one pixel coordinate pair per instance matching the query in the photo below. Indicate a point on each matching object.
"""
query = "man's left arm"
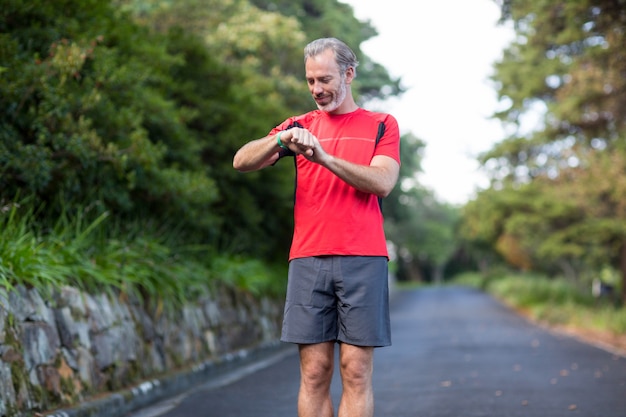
(379, 177)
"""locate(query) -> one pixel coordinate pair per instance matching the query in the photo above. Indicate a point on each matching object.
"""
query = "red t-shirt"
(332, 217)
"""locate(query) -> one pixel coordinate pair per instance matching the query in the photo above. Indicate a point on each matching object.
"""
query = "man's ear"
(349, 75)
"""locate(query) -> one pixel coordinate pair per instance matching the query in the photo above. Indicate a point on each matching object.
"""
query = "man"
(347, 159)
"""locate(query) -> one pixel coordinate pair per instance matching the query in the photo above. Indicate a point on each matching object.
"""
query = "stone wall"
(62, 349)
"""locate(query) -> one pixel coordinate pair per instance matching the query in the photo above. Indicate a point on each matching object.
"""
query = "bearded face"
(332, 98)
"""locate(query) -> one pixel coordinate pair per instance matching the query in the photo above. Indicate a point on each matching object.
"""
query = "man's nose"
(316, 88)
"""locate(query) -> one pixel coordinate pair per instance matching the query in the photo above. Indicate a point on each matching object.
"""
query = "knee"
(356, 373)
(318, 374)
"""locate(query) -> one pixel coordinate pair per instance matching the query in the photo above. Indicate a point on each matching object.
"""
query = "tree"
(136, 107)
(86, 120)
(568, 61)
(331, 18)
(264, 42)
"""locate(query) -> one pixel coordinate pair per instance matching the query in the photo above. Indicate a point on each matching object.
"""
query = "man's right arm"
(257, 154)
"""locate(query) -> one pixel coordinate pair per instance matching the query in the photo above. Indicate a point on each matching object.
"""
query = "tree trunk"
(438, 274)
(568, 270)
(411, 271)
(623, 269)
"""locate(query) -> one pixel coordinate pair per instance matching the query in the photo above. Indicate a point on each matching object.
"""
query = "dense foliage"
(557, 203)
(121, 118)
(120, 122)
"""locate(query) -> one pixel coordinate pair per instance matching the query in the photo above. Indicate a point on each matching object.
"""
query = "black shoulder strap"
(294, 124)
(381, 132)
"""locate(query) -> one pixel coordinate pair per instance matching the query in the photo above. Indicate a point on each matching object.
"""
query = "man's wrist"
(280, 142)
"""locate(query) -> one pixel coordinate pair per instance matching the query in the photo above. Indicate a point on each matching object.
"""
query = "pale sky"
(444, 51)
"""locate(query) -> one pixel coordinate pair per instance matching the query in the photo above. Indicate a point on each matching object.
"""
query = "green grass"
(98, 254)
(553, 301)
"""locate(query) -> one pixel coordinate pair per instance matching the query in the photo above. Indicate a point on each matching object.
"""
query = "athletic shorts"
(337, 298)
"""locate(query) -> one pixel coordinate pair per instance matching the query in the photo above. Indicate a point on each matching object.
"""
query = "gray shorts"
(338, 298)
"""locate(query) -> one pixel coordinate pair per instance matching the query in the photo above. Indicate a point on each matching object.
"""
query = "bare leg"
(357, 365)
(316, 370)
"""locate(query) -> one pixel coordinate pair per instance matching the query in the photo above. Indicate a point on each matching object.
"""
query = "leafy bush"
(530, 290)
(554, 301)
(91, 252)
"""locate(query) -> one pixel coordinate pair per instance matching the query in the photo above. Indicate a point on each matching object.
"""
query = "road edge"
(153, 391)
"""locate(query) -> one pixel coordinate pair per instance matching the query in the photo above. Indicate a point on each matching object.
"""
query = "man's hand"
(300, 141)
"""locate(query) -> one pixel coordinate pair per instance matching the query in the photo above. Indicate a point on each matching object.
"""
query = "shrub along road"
(456, 352)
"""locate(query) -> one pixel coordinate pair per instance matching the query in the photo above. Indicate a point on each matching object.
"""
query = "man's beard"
(338, 98)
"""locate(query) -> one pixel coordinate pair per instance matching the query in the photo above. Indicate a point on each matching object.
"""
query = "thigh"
(363, 306)
(310, 314)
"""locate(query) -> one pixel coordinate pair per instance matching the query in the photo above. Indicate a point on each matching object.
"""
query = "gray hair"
(344, 56)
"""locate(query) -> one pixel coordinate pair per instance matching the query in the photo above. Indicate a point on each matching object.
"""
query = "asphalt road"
(456, 353)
